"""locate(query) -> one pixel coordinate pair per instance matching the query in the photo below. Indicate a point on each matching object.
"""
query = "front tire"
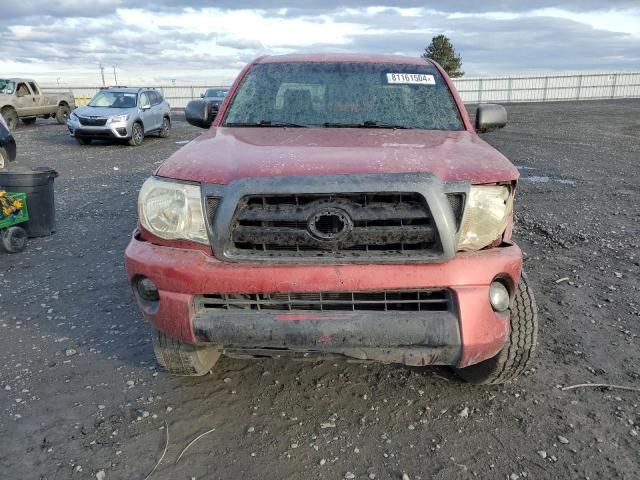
(14, 239)
(166, 128)
(517, 353)
(137, 135)
(183, 359)
(62, 114)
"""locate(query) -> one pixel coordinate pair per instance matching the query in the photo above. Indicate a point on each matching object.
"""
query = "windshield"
(7, 86)
(114, 100)
(214, 92)
(364, 95)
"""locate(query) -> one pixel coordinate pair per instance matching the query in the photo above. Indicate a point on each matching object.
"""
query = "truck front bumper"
(465, 333)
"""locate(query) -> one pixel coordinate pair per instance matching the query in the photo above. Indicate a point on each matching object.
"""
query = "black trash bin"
(37, 183)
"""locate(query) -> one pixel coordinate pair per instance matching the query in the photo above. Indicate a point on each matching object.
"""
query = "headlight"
(486, 215)
(119, 118)
(172, 211)
(73, 116)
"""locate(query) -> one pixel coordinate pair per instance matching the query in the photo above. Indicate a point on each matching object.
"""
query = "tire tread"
(518, 352)
(183, 359)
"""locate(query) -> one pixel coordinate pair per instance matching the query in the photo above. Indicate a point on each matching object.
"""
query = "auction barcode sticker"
(411, 78)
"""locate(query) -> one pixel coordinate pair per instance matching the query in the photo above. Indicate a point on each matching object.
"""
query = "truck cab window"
(22, 90)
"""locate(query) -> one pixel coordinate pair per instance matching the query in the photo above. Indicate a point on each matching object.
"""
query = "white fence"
(549, 88)
(540, 88)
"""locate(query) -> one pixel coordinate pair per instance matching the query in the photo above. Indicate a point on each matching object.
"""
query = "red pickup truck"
(337, 205)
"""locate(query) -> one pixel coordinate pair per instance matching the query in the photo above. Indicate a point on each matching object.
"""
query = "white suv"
(121, 113)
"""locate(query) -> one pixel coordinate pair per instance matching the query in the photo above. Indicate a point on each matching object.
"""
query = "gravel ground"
(81, 397)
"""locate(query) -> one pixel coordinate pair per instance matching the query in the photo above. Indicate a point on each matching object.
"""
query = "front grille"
(213, 107)
(391, 300)
(456, 201)
(346, 226)
(211, 207)
(80, 132)
(92, 121)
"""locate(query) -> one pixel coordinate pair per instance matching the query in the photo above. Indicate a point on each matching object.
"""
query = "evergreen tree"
(441, 50)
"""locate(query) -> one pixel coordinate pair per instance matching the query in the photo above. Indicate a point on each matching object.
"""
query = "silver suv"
(121, 113)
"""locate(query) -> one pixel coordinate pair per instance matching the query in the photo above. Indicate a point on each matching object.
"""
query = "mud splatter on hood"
(225, 154)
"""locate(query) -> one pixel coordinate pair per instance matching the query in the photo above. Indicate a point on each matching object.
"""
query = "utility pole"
(102, 75)
(115, 77)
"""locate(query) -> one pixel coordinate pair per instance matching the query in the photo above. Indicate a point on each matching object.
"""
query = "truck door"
(25, 100)
(39, 105)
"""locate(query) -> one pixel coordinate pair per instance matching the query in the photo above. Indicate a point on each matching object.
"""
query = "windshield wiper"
(365, 124)
(265, 123)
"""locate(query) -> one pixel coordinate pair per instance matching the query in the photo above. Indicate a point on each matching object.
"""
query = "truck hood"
(222, 155)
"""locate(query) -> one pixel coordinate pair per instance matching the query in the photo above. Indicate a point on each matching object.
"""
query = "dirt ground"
(81, 396)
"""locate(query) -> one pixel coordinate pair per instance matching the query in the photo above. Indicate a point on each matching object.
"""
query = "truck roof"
(343, 57)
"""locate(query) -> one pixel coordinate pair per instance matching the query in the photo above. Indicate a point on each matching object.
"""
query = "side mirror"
(198, 113)
(490, 116)
(202, 95)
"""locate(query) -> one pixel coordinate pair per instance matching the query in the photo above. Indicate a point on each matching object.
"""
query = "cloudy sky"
(160, 41)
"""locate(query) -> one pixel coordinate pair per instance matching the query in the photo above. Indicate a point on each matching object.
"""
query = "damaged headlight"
(486, 216)
(172, 210)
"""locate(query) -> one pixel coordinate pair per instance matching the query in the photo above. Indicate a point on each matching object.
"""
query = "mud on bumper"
(411, 337)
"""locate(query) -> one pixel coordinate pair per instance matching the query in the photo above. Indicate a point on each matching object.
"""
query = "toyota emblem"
(330, 224)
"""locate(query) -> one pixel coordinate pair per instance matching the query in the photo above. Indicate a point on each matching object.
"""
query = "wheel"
(14, 239)
(11, 117)
(183, 359)
(29, 120)
(63, 113)
(166, 128)
(516, 355)
(4, 159)
(137, 135)
(83, 140)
